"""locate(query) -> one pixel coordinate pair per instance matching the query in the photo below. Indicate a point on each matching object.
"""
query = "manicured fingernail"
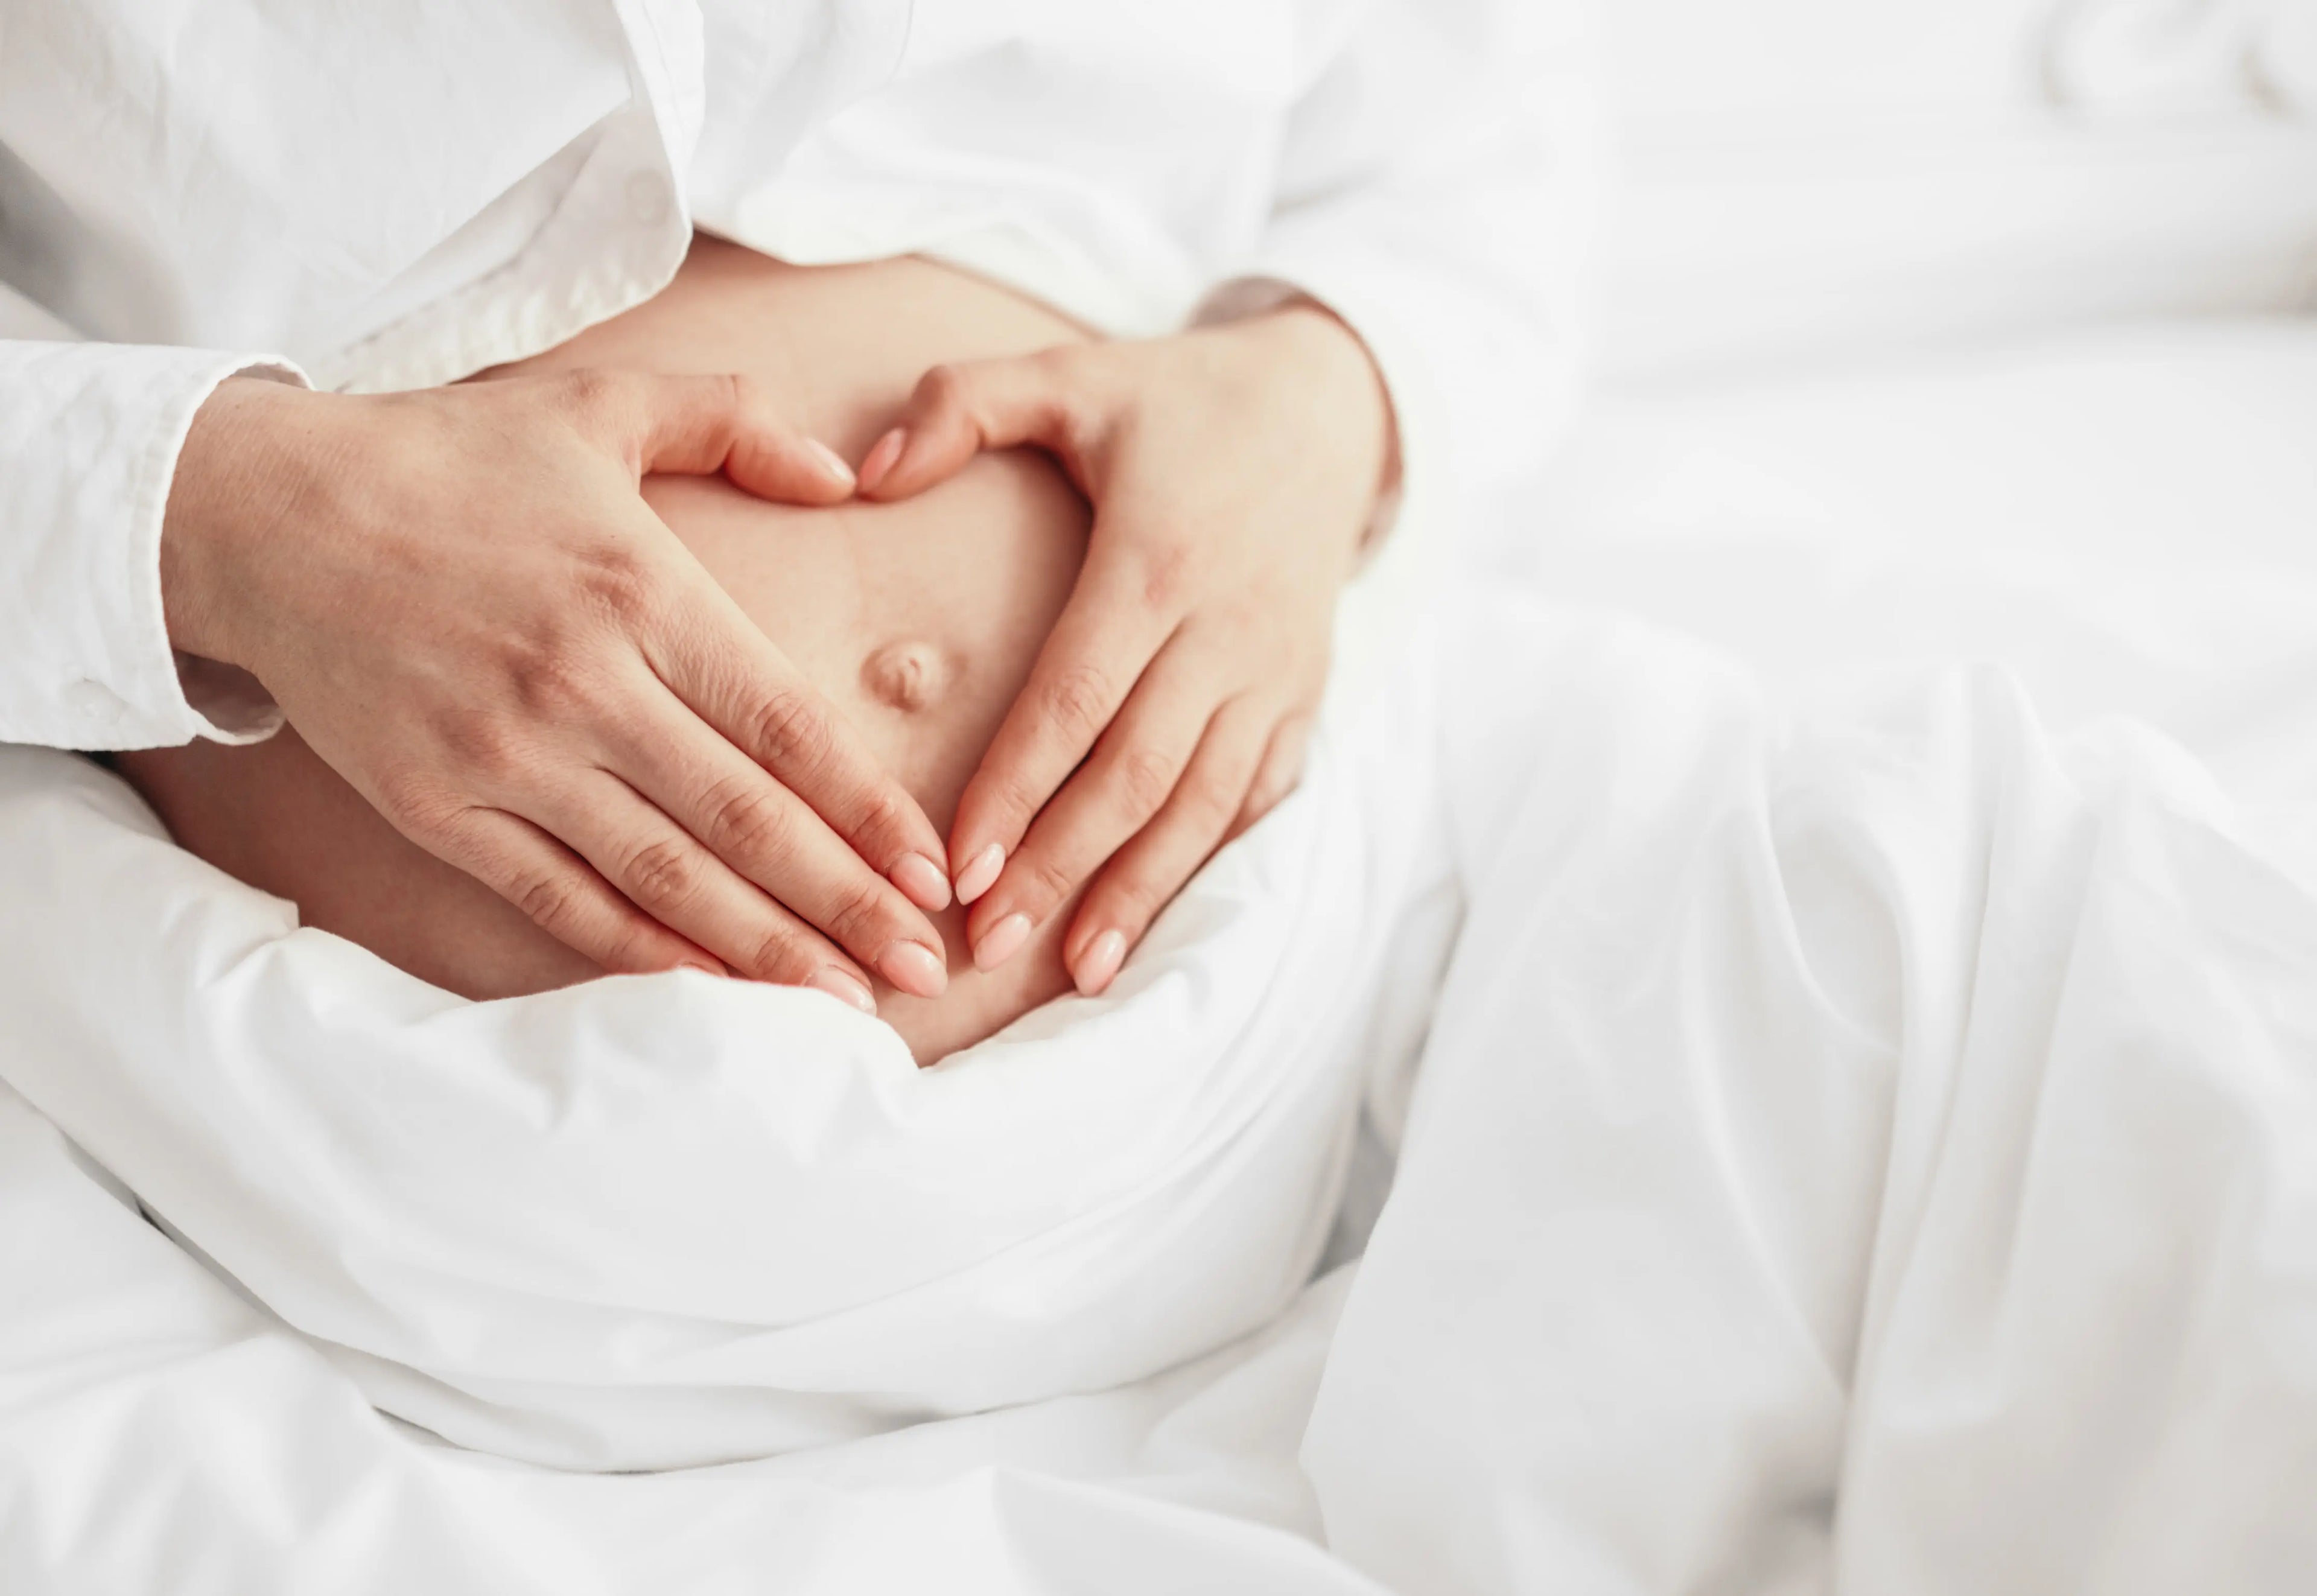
(979, 873)
(836, 983)
(915, 968)
(1003, 940)
(1100, 962)
(832, 464)
(882, 456)
(703, 969)
(922, 882)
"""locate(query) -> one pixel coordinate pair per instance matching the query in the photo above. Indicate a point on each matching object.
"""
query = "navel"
(909, 676)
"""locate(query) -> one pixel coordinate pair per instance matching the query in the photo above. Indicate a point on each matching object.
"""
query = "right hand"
(461, 601)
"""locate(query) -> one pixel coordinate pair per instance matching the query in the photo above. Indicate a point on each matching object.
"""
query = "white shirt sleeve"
(89, 435)
(1436, 189)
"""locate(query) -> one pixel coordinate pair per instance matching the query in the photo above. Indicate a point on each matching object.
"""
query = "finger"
(665, 872)
(728, 671)
(1145, 875)
(1127, 780)
(1279, 773)
(698, 425)
(563, 895)
(770, 837)
(1107, 635)
(959, 410)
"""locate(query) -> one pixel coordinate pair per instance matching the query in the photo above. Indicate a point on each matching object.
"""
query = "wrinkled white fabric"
(88, 444)
(667, 1221)
(394, 198)
(1867, 1148)
(1862, 1141)
(157, 1433)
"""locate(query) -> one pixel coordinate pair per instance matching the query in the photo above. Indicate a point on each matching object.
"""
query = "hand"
(461, 601)
(1233, 472)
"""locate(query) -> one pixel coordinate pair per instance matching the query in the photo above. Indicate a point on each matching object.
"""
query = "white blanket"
(1875, 1148)
(1883, 1106)
(655, 1223)
(1864, 1140)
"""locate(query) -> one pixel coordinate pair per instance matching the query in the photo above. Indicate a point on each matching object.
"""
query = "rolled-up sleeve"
(89, 438)
(1437, 190)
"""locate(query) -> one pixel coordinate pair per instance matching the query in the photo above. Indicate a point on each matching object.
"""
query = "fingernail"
(1100, 962)
(1003, 940)
(832, 464)
(703, 969)
(836, 983)
(979, 873)
(915, 968)
(922, 882)
(882, 456)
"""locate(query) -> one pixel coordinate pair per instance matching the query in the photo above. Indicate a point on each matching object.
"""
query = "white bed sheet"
(2125, 518)
(1893, 1103)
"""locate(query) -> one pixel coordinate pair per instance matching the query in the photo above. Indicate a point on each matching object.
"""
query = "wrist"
(1335, 373)
(225, 497)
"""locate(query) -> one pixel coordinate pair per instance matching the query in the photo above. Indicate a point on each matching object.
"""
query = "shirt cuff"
(89, 439)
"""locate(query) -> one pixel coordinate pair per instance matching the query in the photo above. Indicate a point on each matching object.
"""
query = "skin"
(461, 600)
(917, 622)
(1234, 471)
(467, 607)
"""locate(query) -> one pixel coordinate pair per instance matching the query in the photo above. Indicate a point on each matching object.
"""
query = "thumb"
(959, 410)
(700, 426)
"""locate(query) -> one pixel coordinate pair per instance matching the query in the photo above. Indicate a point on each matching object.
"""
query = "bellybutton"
(647, 193)
(909, 676)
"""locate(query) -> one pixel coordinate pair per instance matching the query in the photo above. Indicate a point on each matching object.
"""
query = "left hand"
(1233, 470)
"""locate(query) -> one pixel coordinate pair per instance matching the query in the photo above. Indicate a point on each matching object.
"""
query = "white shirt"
(375, 197)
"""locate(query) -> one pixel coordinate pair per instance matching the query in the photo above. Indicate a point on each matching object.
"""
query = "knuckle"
(857, 919)
(586, 393)
(661, 873)
(1214, 798)
(481, 742)
(1221, 793)
(618, 583)
(634, 947)
(790, 732)
(1047, 880)
(1146, 777)
(748, 821)
(884, 822)
(1077, 698)
(1135, 895)
(550, 901)
(1013, 800)
(784, 957)
(548, 683)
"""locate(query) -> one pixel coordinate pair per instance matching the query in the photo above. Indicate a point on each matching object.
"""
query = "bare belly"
(919, 621)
